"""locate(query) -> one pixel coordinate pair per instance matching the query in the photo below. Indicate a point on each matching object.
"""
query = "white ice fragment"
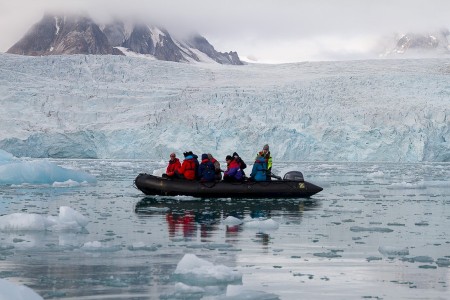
(11, 291)
(96, 246)
(232, 221)
(23, 221)
(67, 183)
(262, 225)
(192, 269)
(71, 219)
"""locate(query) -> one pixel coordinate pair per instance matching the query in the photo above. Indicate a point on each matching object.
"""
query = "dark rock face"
(38, 40)
(115, 32)
(56, 35)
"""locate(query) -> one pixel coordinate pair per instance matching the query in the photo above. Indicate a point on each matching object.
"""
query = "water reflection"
(205, 215)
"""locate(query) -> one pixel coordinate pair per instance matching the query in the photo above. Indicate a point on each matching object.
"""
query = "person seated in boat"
(206, 169)
(174, 164)
(233, 172)
(217, 170)
(268, 158)
(240, 161)
(188, 167)
(259, 170)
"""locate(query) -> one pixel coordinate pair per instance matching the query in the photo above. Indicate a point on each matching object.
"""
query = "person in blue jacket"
(259, 170)
(206, 169)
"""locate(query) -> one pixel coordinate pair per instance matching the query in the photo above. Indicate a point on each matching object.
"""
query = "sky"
(271, 31)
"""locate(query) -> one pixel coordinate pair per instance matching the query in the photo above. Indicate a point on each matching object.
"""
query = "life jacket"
(188, 169)
(173, 166)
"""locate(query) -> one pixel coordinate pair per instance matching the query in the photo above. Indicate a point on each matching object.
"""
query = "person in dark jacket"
(174, 164)
(259, 170)
(188, 167)
(218, 171)
(206, 170)
(233, 172)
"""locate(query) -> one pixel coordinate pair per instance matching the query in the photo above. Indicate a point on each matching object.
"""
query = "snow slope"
(131, 107)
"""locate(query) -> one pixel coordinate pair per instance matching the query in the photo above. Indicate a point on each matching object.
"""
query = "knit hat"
(204, 156)
(266, 147)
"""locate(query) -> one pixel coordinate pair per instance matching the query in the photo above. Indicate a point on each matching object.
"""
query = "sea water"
(377, 231)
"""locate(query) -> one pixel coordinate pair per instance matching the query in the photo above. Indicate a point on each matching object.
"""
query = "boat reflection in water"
(205, 215)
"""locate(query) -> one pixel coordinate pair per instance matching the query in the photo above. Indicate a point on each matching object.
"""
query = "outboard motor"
(294, 175)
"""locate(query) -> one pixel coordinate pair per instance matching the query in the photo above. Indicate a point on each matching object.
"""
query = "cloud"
(271, 30)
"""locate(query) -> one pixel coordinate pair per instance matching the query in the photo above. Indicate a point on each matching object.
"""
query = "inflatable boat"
(291, 186)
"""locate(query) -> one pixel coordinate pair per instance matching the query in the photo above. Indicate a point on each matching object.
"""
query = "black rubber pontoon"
(291, 186)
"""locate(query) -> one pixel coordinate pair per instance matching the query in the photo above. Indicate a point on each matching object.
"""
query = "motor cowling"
(294, 175)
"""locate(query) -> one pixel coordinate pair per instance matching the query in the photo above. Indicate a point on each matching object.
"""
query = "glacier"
(134, 108)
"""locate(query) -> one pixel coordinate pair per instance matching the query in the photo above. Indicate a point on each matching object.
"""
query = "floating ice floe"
(143, 247)
(232, 221)
(344, 210)
(68, 219)
(11, 291)
(96, 246)
(370, 229)
(262, 225)
(406, 185)
(393, 251)
(194, 270)
(15, 171)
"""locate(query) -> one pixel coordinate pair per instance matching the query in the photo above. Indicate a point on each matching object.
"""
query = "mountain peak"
(79, 34)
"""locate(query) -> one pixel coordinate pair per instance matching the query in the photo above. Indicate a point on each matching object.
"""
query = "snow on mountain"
(79, 34)
(415, 45)
(129, 107)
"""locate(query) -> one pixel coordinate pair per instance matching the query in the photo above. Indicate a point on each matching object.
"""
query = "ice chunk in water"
(68, 219)
(232, 221)
(194, 270)
(10, 291)
(262, 224)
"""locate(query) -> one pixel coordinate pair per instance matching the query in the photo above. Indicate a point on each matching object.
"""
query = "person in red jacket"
(174, 164)
(188, 167)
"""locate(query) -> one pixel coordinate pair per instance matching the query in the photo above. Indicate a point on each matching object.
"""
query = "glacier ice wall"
(127, 107)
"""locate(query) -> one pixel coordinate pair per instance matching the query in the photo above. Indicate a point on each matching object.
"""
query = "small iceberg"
(11, 291)
(193, 270)
(15, 171)
(68, 219)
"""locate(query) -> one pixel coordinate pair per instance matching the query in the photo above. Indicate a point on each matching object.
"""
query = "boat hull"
(154, 185)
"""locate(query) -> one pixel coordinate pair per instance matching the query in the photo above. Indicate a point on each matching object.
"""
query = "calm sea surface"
(376, 231)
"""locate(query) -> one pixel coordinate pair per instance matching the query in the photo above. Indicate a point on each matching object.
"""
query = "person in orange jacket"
(188, 167)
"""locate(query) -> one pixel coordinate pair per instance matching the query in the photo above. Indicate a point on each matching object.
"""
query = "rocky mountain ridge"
(79, 34)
